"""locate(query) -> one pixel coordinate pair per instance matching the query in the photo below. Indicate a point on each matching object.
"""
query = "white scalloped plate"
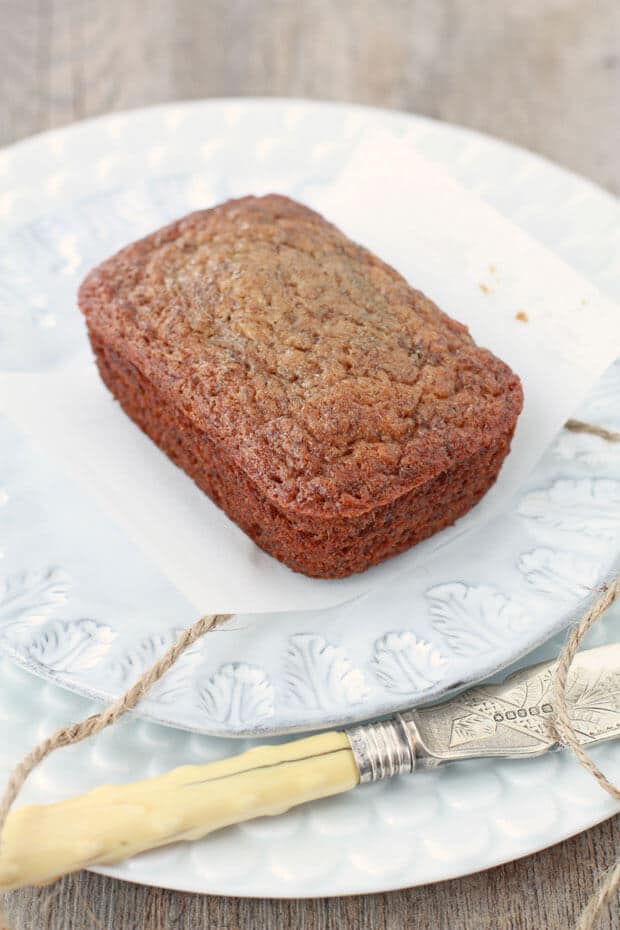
(90, 616)
(408, 831)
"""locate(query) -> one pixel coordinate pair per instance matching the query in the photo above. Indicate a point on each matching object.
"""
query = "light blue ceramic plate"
(81, 606)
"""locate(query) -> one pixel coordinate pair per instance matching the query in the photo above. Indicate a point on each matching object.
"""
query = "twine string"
(562, 721)
(607, 891)
(609, 887)
(76, 732)
(580, 426)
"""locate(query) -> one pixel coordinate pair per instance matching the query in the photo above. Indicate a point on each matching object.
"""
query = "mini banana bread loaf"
(335, 414)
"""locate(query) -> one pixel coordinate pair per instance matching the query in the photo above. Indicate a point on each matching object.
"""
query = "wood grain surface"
(542, 73)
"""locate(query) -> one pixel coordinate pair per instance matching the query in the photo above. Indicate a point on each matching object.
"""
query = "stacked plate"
(87, 619)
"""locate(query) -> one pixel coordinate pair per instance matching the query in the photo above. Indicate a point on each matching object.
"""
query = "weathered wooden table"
(542, 73)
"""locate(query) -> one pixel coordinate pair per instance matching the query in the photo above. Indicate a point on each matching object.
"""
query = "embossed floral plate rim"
(465, 817)
(149, 709)
(299, 671)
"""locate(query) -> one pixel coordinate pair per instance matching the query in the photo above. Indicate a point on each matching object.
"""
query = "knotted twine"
(77, 732)
(607, 891)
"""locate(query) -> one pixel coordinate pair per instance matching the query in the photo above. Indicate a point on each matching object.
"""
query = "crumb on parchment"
(484, 288)
(522, 316)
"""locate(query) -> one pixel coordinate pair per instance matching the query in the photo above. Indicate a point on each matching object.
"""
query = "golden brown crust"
(328, 385)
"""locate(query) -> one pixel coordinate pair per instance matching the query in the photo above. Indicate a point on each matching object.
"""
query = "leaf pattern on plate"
(602, 404)
(321, 675)
(27, 598)
(592, 452)
(576, 505)
(30, 247)
(70, 646)
(474, 618)
(238, 694)
(41, 263)
(404, 663)
(567, 575)
(136, 661)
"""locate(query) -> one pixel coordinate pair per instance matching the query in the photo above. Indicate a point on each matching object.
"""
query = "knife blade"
(513, 719)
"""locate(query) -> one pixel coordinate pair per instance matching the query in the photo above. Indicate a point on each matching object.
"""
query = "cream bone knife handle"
(42, 842)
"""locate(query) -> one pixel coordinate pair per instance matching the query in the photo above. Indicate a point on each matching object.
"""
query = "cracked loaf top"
(312, 364)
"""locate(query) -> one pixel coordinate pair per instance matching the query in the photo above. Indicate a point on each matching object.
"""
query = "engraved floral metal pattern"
(595, 705)
(515, 717)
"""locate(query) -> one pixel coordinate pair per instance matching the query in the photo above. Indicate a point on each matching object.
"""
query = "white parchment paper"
(476, 265)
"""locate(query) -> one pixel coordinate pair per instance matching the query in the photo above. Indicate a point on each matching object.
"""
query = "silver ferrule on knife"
(385, 748)
(513, 719)
(510, 719)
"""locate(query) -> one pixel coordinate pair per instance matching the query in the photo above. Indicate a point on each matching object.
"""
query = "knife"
(513, 719)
